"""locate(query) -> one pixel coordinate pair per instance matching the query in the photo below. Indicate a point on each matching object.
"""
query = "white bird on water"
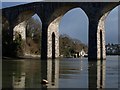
(44, 81)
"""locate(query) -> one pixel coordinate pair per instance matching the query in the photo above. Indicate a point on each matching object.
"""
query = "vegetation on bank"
(69, 46)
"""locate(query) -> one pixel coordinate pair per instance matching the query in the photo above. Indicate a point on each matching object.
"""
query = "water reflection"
(101, 73)
(97, 73)
(65, 73)
(73, 73)
(12, 74)
(30, 73)
(18, 81)
(21, 74)
(50, 72)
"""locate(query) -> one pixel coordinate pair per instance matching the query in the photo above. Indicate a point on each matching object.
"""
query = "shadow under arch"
(5, 37)
(55, 21)
(101, 46)
(53, 45)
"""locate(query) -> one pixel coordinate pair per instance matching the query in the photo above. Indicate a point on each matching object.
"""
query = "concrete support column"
(101, 51)
(44, 41)
(97, 38)
(9, 40)
(10, 32)
(20, 29)
(92, 50)
(53, 28)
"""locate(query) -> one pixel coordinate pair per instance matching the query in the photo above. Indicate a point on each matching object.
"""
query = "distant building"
(79, 53)
(82, 52)
(113, 49)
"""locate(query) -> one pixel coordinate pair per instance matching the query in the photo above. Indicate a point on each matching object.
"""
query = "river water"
(60, 73)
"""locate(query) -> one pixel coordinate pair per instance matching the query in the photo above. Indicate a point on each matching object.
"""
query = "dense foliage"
(69, 46)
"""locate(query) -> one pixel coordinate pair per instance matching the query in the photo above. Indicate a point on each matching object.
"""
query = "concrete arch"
(25, 15)
(23, 26)
(62, 10)
(21, 23)
(112, 20)
(53, 28)
(101, 29)
(80, 19)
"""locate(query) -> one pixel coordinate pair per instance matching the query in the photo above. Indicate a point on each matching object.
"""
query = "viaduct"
(51, 13)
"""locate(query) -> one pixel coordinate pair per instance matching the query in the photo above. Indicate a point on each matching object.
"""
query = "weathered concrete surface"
(21, 30)
(53, 28)
(49, 11)
(101, 28)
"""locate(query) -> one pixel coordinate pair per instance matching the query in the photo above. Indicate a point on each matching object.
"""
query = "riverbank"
(26, 56)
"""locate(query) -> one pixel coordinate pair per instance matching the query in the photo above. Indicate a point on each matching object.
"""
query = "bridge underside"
(51, 13)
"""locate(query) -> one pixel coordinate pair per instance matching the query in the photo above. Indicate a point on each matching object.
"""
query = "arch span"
(21, 23)
(50, 11)
(62, 10)
(54, 28)
(28, 25)
(101, 36)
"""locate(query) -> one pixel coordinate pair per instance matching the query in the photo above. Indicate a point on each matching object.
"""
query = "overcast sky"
(75, 24)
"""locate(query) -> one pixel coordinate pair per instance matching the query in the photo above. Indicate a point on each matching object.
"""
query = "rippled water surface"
(62, 73)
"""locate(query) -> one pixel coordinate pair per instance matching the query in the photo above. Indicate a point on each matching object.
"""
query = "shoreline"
(33, 57)
(20, 57)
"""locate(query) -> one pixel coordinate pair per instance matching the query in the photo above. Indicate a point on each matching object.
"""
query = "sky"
(75, 24)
